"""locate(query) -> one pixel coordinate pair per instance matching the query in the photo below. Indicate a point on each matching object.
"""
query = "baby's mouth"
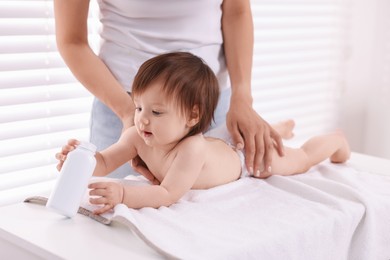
(147, 134)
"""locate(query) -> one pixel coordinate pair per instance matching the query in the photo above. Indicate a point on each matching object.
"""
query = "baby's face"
(158, 120)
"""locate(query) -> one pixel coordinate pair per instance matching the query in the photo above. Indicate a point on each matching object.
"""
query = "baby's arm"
(181, 176)
(117, 154)
(110, 158)
(112, 193)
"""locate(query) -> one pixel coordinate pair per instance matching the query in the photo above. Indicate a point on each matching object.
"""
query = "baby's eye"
(138, 109)
(156, 113)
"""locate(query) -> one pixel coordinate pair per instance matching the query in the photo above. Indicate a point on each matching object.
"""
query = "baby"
(175, 95)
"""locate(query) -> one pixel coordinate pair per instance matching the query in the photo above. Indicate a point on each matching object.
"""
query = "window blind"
(41, 103)
(377, 139)
(299, 59)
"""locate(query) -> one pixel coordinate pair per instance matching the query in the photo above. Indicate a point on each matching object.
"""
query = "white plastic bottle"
(73, 180)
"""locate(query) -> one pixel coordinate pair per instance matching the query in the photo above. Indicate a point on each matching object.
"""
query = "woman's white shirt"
(136, 30)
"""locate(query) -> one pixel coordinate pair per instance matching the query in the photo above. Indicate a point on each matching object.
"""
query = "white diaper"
(244, 171)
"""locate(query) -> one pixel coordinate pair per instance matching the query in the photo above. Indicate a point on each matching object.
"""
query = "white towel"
(331, 212)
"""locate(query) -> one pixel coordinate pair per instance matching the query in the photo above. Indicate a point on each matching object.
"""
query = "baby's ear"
(194, 117)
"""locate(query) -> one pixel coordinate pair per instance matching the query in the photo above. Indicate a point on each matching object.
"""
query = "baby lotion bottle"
(73, 180)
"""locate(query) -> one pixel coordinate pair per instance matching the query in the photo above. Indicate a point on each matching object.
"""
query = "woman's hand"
(256, 136)
(61, 156)
(109, 194)
(140, 167)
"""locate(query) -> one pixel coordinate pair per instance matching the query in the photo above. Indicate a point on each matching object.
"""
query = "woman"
(218, 31)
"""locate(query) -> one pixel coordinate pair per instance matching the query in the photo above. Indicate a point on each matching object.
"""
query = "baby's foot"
(285, 128)
(344, 152)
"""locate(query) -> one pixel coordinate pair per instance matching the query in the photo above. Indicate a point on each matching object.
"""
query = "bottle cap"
(89, 146)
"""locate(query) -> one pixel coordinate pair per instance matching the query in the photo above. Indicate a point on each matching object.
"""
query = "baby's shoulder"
(132, 130)
(130, 135)
(194, 143)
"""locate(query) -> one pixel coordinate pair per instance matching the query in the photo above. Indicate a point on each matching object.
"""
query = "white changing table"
(30, 231)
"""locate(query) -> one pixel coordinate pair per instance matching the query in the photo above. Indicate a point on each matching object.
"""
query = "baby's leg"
(343, 154)
(285, 128)
(314, 151)
(294, 161)
(333, 146)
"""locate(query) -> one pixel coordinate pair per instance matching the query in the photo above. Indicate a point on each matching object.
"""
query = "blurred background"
(323, 63)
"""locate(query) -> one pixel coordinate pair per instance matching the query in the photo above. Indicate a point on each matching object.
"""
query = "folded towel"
(331, 212)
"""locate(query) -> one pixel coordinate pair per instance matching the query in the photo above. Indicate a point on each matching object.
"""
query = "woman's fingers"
(267, 159)
(140, 167)
(237, 137)
(250, 151)
(278, 142)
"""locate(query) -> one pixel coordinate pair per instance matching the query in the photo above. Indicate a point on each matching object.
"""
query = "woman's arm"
(248, 129)
(72, 41)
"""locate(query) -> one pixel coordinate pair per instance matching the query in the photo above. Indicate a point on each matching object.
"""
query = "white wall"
(365, 103)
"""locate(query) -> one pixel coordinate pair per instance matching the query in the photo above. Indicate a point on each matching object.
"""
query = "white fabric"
(331, 212)
(136, 30)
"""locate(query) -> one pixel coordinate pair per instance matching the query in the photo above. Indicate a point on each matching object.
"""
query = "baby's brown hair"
(187, 80)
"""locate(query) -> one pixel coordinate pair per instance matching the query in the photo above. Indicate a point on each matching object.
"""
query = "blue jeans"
(106, 128)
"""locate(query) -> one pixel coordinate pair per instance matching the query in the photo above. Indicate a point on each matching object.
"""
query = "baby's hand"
(109, 194)
(61, 156)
